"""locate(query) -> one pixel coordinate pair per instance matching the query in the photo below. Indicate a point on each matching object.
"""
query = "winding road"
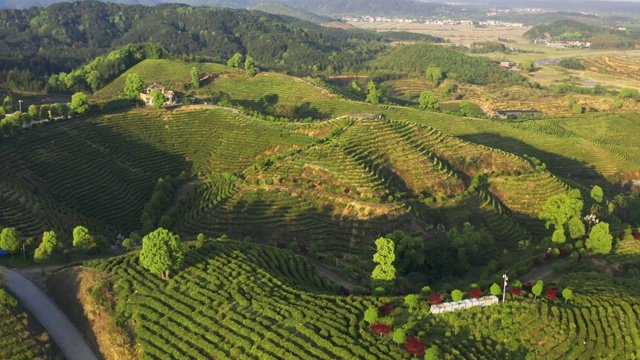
(57, 324)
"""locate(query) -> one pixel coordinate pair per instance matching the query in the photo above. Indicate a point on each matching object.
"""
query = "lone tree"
(81, 238)
(558, 236)
(46, 247)
(10, 240)
(411, 300)
(567, 294)
(456, 295)
(537, 288)
(428, 101)
(495, 289)
(371, 315)
(465, 108)
(384, 273)
(235, 61)
(576, 228)
(158, 99)
(399, 336)
(597, 194)
(250, 66)
(161, 252)
(374, 94)
(600, 240)
(133, 86)
(79, 103)
(33, 111)
(195, 77)
(435, 75)
(432, 353)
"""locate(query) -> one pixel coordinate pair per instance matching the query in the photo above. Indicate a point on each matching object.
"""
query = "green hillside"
(235, 299)
(21, 336)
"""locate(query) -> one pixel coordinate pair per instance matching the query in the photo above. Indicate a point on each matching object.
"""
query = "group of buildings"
(561, 44)
(443, 22)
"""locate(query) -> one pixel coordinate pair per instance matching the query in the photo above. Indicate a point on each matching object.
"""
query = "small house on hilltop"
(169, 96)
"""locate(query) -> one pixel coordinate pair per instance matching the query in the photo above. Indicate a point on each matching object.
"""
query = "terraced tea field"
(242, 300)
(19, 339)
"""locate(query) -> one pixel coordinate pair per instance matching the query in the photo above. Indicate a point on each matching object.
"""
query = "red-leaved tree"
(515, 291)
(551, 292)
(476, 293)
(435, 299)
(414, 345)
(385, 309)
(380, 329)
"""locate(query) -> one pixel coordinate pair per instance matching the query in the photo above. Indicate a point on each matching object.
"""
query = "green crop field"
(18, 338)
(243, 300)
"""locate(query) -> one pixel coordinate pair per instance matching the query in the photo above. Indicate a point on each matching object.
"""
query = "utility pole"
(504, 286)
(20, 105)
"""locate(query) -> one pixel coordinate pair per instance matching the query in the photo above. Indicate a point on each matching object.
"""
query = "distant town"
(445, 22)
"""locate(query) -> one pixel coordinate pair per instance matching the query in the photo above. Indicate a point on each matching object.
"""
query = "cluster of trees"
(249, 64)
(152, 214)
(564, 213)
(417, 58)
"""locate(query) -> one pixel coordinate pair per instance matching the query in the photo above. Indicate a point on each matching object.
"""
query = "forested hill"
(65, 35)
(323, 7)
(600, 37)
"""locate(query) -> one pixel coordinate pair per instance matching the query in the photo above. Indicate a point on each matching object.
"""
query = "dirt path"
(57, 324)
(334, 275)
(542, 272)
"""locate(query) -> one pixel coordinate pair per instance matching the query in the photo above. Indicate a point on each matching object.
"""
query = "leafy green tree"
(10, 240)
(46, 247)
(127, 243)
(374, 94)
(600, 239)
(161, 252)
(410, 251)
(201, 237)
(456, 295)
(250, 66)
(558, 236)
(474, 246)
(399, 336)
(158, 99)
(33, 111)
(384, 273)
(495, 289)
(527, 65)
(627, 93)
(94, 81)
(597, 194)
(235, 61)
(576, 228)
(447, 90)
(432, 353)
(44, 112)
(133, 86)
(577, 109)
(567, 294)
(559, 209)
(434, 74)
(537, 288)
(3, 113)
(371, 315)
(79, 103)
(195, 77)
(7, 104)
(56, 110)
(465, 108)
(411, 300)
(428, 101)
(81, 238)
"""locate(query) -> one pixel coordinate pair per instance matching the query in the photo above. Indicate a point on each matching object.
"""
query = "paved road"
(57, 324)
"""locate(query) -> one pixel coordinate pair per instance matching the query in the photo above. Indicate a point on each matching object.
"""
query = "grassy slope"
(242, 300)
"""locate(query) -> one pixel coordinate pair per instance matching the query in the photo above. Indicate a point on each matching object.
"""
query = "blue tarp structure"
(3, 252)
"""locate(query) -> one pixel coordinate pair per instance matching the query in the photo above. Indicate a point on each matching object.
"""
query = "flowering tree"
(551, 293)
(414, 345)
(476, 293)
(515, 291)
(385, 309)
(380, 329)
(435, 299)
